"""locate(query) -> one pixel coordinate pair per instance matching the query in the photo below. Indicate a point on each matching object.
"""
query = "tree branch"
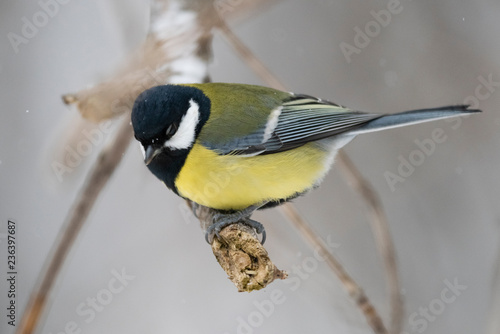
(240, 253)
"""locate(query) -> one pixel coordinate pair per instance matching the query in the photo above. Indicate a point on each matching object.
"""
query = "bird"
(236, 148)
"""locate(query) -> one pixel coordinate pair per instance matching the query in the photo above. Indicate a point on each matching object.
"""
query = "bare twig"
(493, 322)
(252, 61)
(378, 220)
(382, 235)
(106, 163)
(235, 11)
(354, 290)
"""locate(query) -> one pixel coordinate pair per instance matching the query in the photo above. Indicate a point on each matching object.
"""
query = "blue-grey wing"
(299, 120)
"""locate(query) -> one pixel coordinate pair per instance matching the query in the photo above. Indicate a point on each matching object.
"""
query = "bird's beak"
(150, 154)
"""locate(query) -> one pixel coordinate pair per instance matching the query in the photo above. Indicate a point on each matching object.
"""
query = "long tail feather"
(414, 117)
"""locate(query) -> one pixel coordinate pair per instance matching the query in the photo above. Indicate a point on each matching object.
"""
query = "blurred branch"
(354, 290)
(382, 235)
(178, 40)
(247, 55)
(171, 37)
(106, 163)
(493, 323)
(177, 48)
(150, 65)
(238, 10)
(378, 220)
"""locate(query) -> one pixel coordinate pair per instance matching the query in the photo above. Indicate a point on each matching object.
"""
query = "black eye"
(171, 130)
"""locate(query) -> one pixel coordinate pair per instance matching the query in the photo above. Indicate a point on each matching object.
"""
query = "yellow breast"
(231, 182)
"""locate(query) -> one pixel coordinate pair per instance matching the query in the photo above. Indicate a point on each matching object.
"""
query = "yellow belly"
(231, 182)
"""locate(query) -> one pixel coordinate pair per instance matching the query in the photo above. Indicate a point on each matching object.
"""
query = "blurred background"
(126, 275)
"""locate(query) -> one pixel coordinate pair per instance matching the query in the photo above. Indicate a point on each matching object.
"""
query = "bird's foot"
(222, 220)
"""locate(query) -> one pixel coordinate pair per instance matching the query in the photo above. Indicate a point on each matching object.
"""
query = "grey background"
(444, 217)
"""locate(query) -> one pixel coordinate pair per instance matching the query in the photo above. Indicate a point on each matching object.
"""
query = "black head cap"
(154, 111)
(158, 107)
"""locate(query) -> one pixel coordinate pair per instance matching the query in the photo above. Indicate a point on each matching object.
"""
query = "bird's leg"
(221, 220)
(194, 208)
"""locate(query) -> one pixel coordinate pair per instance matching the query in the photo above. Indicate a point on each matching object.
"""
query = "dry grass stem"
(236, 11)
(354, 290)
(106, 163)
(382, 235)
(252, 61)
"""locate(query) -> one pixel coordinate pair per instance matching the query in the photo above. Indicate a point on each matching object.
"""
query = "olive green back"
(237, 110)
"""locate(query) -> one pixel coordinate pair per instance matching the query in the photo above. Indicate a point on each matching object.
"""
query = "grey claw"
(220, 224)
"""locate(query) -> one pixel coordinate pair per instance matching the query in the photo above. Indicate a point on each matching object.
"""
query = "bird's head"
(167, 119)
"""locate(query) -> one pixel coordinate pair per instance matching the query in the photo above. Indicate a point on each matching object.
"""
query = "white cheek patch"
(185, 135)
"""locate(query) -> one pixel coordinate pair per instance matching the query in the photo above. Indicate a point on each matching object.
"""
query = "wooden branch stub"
(244, 259)
(240, 253)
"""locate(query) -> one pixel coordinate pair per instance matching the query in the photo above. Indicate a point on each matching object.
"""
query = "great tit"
(237, 148)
